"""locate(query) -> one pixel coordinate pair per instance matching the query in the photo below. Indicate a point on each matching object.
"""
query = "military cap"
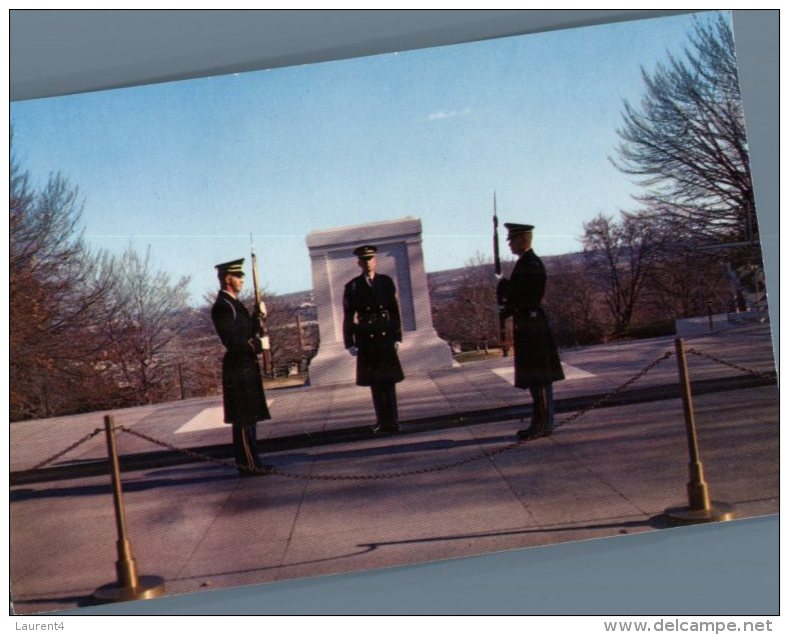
(234, 267)
(513, 229)
(365, 252)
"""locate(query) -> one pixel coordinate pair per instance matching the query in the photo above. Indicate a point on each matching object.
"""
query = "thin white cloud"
(448, 114)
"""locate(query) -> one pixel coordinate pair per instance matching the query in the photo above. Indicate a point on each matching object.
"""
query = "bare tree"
(684, 281)
(622, 256)
(686, 141)
(286, 346)
(145, 320)
(57, 290)
(572, 303)
(471, 317)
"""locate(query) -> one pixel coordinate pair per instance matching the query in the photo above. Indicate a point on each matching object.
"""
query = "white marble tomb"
(400, 257)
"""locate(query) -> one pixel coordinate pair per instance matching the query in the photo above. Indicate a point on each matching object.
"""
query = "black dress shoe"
(532, 432)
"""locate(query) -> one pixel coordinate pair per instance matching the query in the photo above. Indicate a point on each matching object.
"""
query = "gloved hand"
(397, 345)
(497, 276)
(353, 351)
(256, 345)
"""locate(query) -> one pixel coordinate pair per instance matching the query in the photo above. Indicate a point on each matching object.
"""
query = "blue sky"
(192, 168)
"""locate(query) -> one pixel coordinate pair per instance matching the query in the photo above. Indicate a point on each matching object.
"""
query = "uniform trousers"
(385, 404)
(542, 408)
(245, 447)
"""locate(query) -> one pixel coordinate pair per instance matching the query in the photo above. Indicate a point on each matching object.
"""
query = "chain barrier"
(273, 470)
(615, 391)
(387, 475)
(486, 454)
(729, 364)
(170, 446)
(52, 458)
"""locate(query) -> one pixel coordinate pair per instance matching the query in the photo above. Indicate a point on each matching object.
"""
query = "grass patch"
(285, 382)
(477, 356)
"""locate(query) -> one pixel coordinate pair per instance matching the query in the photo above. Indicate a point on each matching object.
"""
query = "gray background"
(695, 570)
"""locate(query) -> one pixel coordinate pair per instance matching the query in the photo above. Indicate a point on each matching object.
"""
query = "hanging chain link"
(170, 446)
(303, 475)
(481, 455)
(52, 458)
(387, 475)
(729, 364)
(486, 454)
(615, 391)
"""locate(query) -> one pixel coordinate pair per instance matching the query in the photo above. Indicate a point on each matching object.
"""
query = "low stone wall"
(689, 327)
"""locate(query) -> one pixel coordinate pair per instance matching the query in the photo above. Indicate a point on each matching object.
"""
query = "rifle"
(499, 297)
(260, 313)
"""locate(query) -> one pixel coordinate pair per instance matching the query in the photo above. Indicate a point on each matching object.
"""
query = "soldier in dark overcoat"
(372, 333)
(243, 396)
(537, 363)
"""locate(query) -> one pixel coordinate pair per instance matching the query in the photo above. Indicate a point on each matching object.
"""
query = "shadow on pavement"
(365, 549)
(24, 494)
(398, 448)
(75, 600)
(169, 477)
(623, 526)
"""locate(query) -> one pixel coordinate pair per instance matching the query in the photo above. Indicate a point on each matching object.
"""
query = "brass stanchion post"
(129, 586)
(699, 509)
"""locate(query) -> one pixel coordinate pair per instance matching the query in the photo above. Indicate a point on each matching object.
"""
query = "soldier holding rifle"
(537, 363)
(242, 387)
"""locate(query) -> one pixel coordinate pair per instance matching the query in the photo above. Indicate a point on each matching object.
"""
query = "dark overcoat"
(536, 355)
(242, 389)
(371, 322)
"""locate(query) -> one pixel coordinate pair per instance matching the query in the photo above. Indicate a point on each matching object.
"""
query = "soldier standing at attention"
(372, 333)
(537, 363)
(242, 388)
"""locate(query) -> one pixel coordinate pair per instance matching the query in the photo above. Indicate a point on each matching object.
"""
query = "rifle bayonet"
(260, 314)
(499, 296)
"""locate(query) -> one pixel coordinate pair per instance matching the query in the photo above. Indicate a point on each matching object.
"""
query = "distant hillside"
(441, 284)
(298, 298)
